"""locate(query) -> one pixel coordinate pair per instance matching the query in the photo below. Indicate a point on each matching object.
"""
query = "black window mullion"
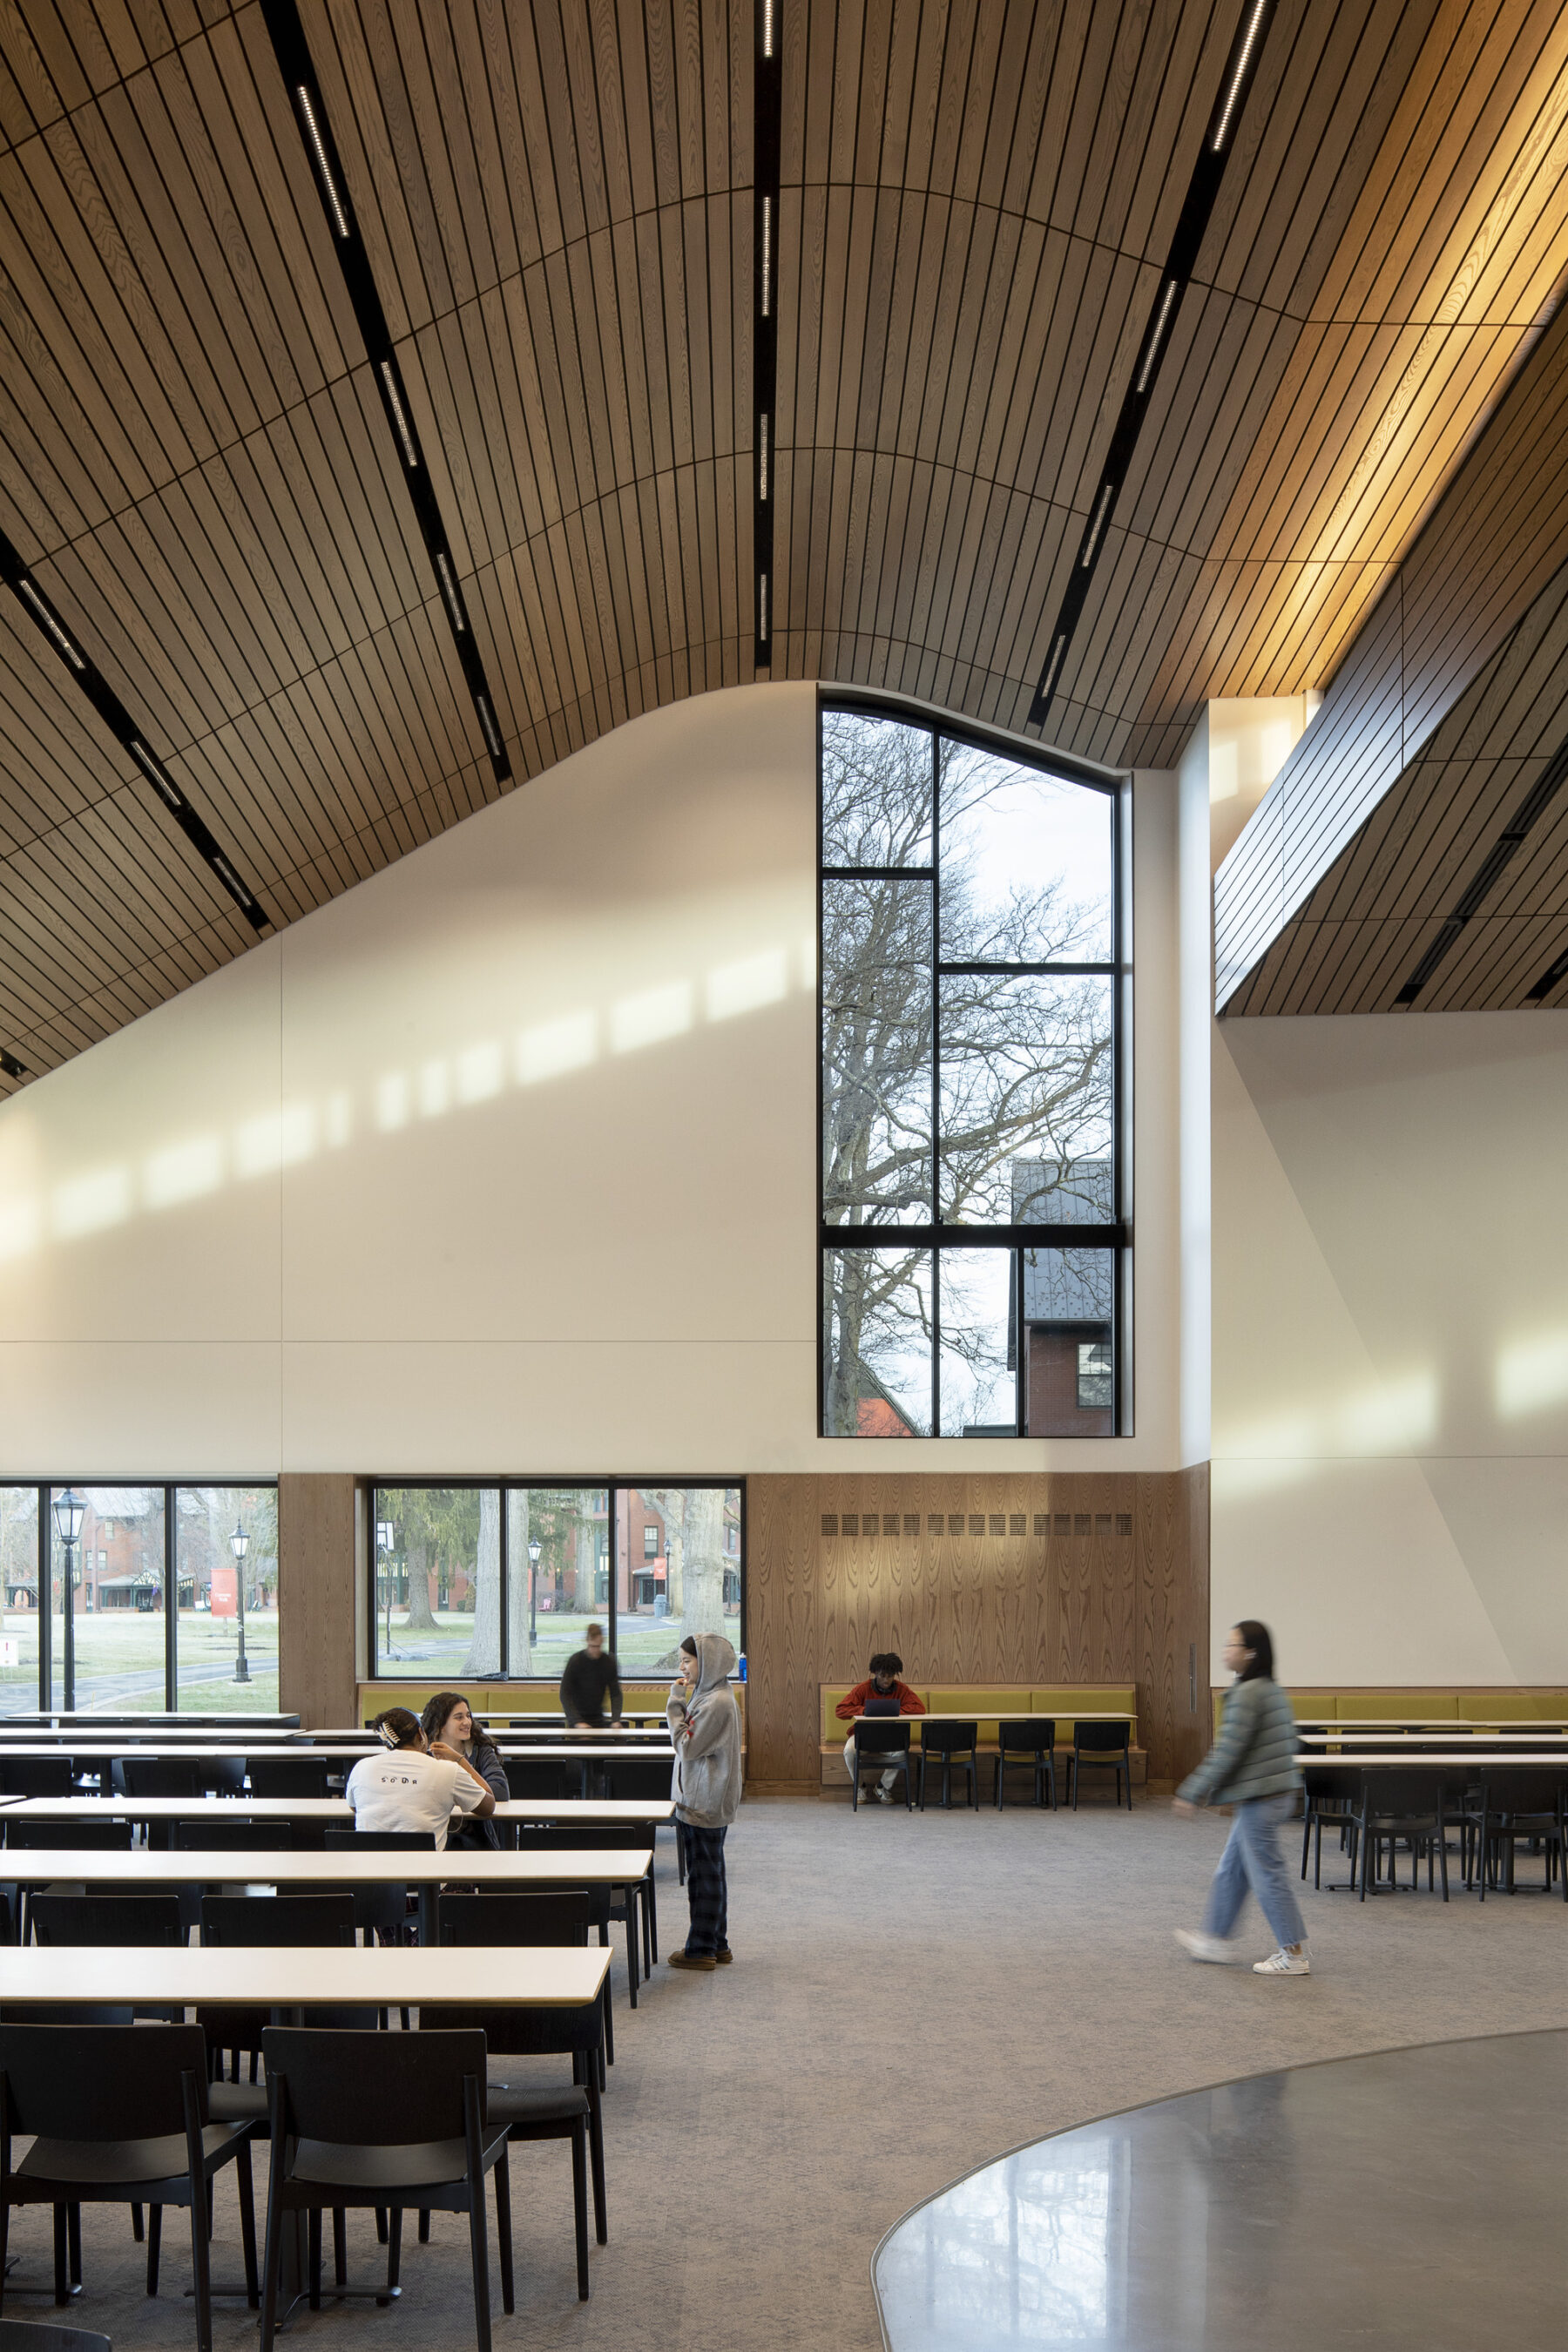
(171, 1604)
(504, 1601)
(936, 1078)
(614, 1556)
(1021, 1420)
(45, 1631)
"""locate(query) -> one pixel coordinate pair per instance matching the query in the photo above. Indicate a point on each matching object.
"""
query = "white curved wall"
(504, 1160)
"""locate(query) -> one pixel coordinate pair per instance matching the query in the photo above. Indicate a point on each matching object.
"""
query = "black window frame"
(558, 1482)
(171, 1489)
(1116, 1234)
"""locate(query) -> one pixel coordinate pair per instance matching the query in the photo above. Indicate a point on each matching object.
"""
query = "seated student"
(448, 1726)
(881, 1694)
(415, 1786)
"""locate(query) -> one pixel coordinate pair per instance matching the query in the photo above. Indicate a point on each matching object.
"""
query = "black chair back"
(158, 1776)
(1101, 1738)
(875, 1736)
(524, 2032)
(386, 2090)
(585, 1837)
(1027, 1735)
(1540, 1794)
(70, 1837)
(318, 1921)
(639, 1779)
(543, 1783)
(512, 1919)
(98, 2082)
(36, 1776)
(949, 1738)
(1389, 1793)
(233, 1837)
(381, 1841)
(282, 1777)
(107, 1919)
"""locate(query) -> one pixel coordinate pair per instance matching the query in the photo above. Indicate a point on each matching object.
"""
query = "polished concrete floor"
(1412, 2200)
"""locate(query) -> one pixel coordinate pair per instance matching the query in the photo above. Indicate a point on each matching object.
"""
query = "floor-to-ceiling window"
(502, 1579)
(973, 980)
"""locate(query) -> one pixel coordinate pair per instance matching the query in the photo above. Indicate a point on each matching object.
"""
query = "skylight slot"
(324, 172)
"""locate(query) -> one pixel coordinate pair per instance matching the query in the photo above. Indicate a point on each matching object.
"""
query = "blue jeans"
(1252, 1858)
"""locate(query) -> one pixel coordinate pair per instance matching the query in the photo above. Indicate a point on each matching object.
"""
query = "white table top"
(142, 1866)
(383, 1976)
(234, 1729)
(649, 1751)
(1461, 1733)
(564, 1810)
(1487, 1759)
(999, 1715)
(1431, 1723)
(100, 1750)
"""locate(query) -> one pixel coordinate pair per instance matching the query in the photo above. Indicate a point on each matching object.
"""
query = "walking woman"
(448, 1727)
(1252, 1767)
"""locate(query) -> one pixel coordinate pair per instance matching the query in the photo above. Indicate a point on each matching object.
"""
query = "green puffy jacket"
(1255, 1755)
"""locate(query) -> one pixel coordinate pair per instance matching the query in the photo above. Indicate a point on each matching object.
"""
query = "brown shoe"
(724, 1958)
(702, 1960)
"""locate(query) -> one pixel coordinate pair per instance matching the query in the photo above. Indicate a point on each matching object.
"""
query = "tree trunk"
(694, 1522)
(484, 1650)
(419, 1618)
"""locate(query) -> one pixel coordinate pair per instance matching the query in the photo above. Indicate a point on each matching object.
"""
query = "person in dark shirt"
(591, 1677)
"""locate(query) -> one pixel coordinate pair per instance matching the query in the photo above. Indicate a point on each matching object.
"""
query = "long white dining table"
(295, 1978)
(643, 1812)
(143, 1867)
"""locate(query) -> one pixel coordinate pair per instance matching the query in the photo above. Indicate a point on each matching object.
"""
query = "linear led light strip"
(763, 455)
(1197, 207)
(97, 689)
(766, 102)
(303, 86)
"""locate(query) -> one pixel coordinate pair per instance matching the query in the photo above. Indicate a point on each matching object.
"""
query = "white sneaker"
(1199, 1947)
(1284, 1963)
(883, 1796)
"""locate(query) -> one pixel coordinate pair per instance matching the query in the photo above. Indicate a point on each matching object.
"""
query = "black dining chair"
(1402, 1807)
(1530, 1805)
(380, 1910)
(571, 2110)
(881, 1746)
(120, 2116)
(66, 1837)
(284, 1776)
(396, 2121)
(36, 1776)
(43, 2335)
(158, 1776)
(1102, 1747)
(1331, 1793)
(1032, 1739)
(957, 1748)
(541, 1782)
(600, 1837)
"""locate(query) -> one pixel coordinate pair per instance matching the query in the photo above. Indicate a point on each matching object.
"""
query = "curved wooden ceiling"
(976, 202)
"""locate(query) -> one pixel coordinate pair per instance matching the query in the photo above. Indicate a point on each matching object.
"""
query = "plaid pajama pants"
(705, 1890)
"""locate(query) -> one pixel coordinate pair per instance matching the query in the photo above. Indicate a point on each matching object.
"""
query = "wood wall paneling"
(318, 1535)
(960, 1576)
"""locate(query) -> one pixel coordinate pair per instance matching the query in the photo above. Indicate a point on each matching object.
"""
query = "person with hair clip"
(449, 1729)
(1252, 1767)
(413, 1785)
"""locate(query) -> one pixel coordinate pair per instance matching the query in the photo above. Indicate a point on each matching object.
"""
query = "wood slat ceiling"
(976, 202)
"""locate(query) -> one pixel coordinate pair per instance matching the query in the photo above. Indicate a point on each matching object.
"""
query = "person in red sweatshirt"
(882, 1693)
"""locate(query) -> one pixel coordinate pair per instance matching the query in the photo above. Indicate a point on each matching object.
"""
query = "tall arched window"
(974, 1212)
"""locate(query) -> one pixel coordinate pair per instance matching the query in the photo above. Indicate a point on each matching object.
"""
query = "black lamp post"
(384, 1537)
(69, 1510)
(534, 1549)
(239, 1544)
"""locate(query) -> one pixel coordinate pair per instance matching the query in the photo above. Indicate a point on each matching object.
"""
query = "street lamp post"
(239, 1544)
(534, 1549)
(383, 1536)
(69, 1510)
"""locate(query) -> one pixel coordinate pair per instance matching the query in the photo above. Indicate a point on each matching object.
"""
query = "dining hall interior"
(785, 895)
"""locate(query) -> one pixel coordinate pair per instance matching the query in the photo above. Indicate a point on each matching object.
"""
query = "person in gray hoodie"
(705, 1725)
(1252, 1767)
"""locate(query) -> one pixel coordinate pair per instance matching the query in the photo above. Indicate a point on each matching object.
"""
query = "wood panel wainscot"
(1037, 1577)
(317, 1515)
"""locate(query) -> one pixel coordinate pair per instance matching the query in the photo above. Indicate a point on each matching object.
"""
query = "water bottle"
(740, 1668)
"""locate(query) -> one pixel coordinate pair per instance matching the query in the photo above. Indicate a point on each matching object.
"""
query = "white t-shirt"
(407, 1789)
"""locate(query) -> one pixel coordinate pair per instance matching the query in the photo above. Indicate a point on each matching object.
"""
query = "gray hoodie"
(706, 1729)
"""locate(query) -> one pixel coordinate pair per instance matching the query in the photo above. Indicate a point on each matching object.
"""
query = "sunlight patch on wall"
(1533, 1374)
(650, 1016)
(554, 1047)
(84, 1204)
(183, 1171)
(746, 986)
